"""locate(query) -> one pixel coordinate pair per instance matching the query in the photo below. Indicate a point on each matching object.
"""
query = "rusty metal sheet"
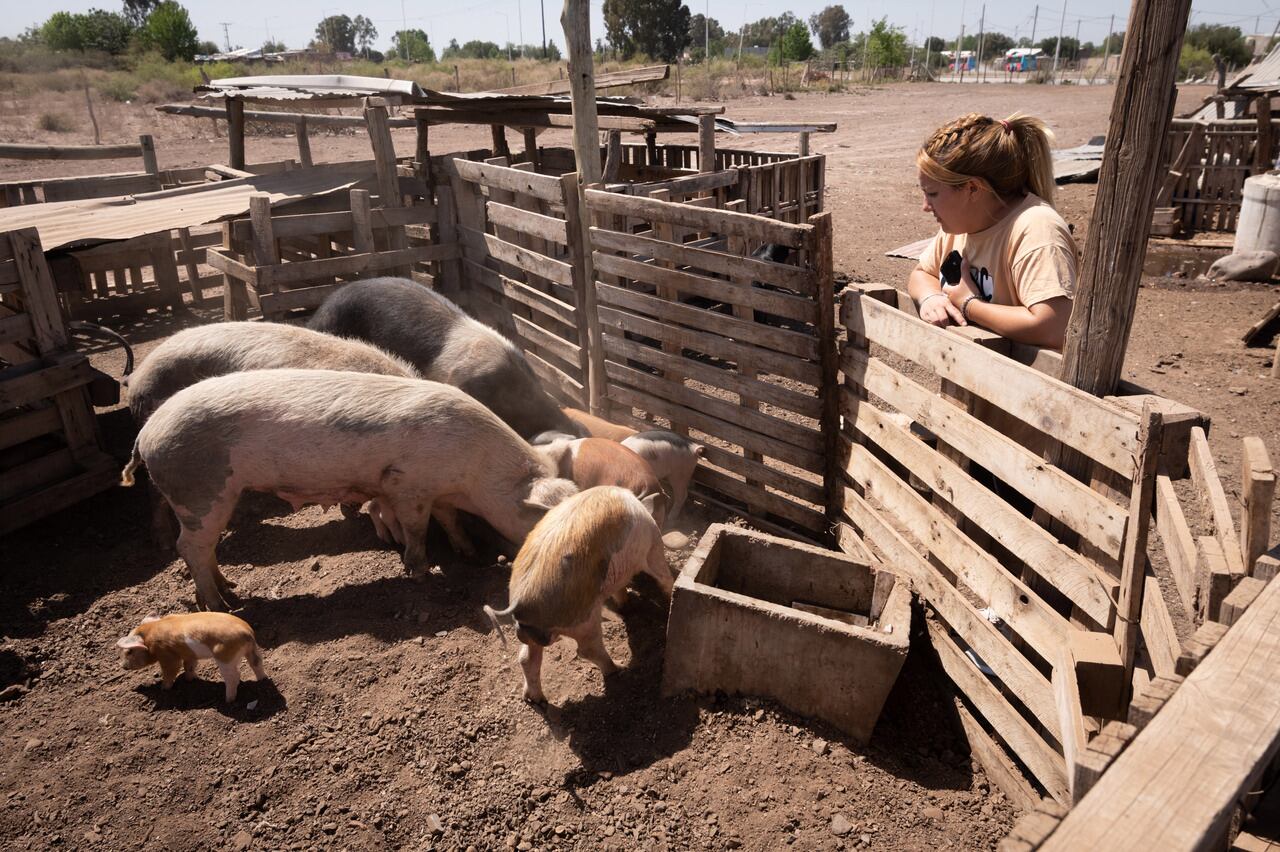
(70, 224)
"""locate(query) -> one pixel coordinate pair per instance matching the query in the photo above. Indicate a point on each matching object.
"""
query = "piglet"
(672, 458)
(583, 551)
(588, 425)
(590, 462)
(179, 641)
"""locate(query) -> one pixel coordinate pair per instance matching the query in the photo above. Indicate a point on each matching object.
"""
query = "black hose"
(93, 328)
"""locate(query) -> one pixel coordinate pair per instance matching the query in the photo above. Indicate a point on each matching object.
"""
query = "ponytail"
(1010, 155)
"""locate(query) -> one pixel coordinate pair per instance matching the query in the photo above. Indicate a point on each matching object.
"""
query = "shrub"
(55, 122)
(117, 87)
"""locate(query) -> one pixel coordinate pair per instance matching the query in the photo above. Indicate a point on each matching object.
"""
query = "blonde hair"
(1010, 155)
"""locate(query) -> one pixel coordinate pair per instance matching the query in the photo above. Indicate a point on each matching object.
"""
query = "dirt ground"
(393, 718)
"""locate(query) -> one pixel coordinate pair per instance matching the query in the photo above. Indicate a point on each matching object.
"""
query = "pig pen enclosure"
(1062, 610)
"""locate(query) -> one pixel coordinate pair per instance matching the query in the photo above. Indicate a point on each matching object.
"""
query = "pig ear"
(133, 640)
(650, 502)
(697, 450)
(150, 618)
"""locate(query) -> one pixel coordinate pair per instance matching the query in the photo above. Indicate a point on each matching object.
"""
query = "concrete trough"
(821, 633)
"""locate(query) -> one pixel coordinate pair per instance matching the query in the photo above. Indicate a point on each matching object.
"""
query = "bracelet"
(920, 304)
(964, 306)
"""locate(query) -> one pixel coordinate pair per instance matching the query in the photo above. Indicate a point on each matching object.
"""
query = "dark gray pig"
(445, 345)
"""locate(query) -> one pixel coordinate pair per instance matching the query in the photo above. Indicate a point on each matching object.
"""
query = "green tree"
(766, 31)
(267, 47)
(699, 28)
(363, 32)
(1069, 47)
(1227, 42)
(207, 48)
(108, 32)
(413, 45)
(61, 32)
(169, 30)
(1194, 62)
(831, 26)
(655, 28)
(136, 11)
(886, 46)
(473, 50)
(795, 44)
(995, 44)
(338, 33)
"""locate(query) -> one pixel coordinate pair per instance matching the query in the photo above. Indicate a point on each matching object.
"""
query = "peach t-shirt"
(1026, 258)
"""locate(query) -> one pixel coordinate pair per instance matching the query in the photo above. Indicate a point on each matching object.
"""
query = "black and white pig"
(416, 448)
(445, 345)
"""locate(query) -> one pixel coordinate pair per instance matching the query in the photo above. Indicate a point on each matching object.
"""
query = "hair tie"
(1004, 123)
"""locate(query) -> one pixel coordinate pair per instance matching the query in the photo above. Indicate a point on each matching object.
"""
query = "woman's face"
(952, 206)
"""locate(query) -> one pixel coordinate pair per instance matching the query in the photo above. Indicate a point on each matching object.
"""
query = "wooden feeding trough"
(822, 633)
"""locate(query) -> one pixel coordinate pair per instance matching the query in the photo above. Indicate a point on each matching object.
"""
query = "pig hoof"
(350, 511)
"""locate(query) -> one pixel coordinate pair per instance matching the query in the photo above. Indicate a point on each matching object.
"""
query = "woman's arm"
(920, 287)
(1042, 324)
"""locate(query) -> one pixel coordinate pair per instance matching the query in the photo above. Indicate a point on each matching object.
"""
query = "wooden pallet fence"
(727, 348)
(50, 453)
(1014, 555)
(121, 278)
(282, 263)
(1207, 164)
(520, 266)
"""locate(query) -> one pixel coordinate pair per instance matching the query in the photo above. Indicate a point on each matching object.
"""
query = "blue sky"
(293, 21)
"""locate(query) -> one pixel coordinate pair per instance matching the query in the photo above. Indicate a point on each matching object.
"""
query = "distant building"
(968, 60)
(1022, 58)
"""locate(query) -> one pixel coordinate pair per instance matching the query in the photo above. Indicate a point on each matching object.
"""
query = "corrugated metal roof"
(70, 224)
(308, 87)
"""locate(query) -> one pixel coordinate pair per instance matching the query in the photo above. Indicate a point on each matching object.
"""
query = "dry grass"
(55, 122)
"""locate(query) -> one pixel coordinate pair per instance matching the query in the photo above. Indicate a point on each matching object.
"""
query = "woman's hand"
(938, 310)
(958, 292)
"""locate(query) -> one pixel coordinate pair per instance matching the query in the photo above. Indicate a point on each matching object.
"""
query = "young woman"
(1004, 259)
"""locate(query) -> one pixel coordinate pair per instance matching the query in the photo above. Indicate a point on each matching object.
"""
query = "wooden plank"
(1099, 430)
(35, 474)
(622, 349)
(40, 294)
(1195, 649)
(1204, 474)
(103, 474)
(70, 371)
(782, 304)
(773, 503)
(527, 222)
(1218, 579)
(1022, 739)
(764, 475)
(1100, 674)
(727, 431)
(1179, 543)
(16, 328)
(1257, 492)
(26, 425)
(1129, 606)
(1017, 673)
(1066, 694)
(543, 187)
(779, 340)
(1158, 632)
(700, 219)
(540, 337)
(691, 184)
(516, 291)
(1094, 760)
(1068, 573)
(1064, 498)
(297, 297)
(1240, 599)
(778, 438)
(616, 322)
(14, 151)
(721, 263)
(568, 388)
(1150, 700)
(544, 267)
(1006, 595)
(306, 270)
(997, 765)
(265, 250)
(1177, 784)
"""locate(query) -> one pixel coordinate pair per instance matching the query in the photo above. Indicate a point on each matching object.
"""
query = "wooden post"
(235, 132)
(575, 18)
(93, 119)
(148, 146)
(1134, 556)
(613, 161)
(384, 157)
(1257, 490)
(304, 142)
(500, 147)
(706, 143)
(821, 260)
(651, 148)
(361, 222)
(1107, 292)
(531, 147)
(804, 144)
(192, 268)
(1263, 162)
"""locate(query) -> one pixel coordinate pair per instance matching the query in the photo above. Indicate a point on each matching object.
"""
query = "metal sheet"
(69, 224)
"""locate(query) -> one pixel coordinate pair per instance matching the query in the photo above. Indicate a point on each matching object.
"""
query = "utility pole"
(520, 27)
(982, 23)
(1035, 19)
(959, 59)
(1106, 49)
(1057, 48)
(404, 30)
(928, 44)
(542, 13)
(1075, 57)
(226, 34)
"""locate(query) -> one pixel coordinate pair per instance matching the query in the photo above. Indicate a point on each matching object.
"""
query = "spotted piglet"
(585, 550)
(178, 642)
(672, 458)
